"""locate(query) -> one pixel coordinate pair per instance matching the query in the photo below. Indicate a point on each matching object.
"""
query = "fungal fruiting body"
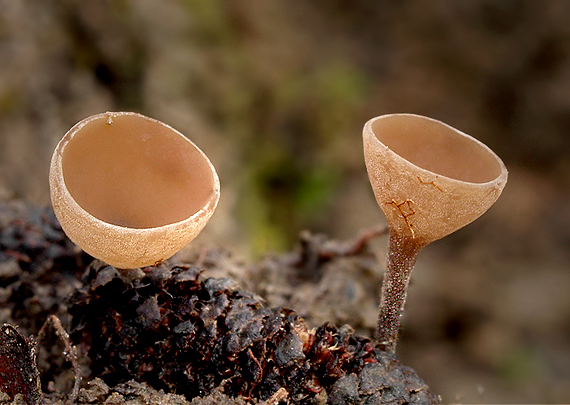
(429, 179)
(131, 190)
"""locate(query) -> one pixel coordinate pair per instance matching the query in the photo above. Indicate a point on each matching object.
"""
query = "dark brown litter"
(174, 331)
(189, 335)
(18, 371)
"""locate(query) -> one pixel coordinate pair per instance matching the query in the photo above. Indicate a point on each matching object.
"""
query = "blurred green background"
(276, 93)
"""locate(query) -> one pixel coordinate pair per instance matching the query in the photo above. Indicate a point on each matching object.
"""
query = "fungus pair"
(132, 191)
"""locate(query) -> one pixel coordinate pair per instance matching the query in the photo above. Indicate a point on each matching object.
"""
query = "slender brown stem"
(402, 254)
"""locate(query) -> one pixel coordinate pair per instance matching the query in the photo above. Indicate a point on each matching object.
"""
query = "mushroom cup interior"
(437, 147)
(136, 172)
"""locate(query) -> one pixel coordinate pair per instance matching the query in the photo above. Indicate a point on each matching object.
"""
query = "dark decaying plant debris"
(18, 371)
(180, 333)
(39, 266)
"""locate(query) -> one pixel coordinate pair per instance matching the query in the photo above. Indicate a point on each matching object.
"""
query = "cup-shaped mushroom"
(429, 179)
(131, 190)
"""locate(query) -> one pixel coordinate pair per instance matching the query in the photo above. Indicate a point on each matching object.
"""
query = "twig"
(279, 396)
(70, 352)
(353, 247)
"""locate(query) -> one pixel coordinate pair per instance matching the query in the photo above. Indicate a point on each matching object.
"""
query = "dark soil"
(173, 335)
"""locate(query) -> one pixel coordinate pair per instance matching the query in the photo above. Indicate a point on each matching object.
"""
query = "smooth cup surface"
(131, 190)
(430, 179)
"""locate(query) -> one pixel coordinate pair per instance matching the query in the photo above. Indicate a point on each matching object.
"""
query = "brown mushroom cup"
(430, 180)
(131, 190)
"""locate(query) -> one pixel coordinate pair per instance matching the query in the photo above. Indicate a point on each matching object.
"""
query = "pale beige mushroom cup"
(131, 190)
(429, 179)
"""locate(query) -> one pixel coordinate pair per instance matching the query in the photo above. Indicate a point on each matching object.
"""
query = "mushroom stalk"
(402, 255)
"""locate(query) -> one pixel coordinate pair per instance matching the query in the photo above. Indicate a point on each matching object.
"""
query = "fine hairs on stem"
(402, 255)
(429, 179)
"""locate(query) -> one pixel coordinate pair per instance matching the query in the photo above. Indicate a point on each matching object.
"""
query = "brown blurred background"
(276, 93)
